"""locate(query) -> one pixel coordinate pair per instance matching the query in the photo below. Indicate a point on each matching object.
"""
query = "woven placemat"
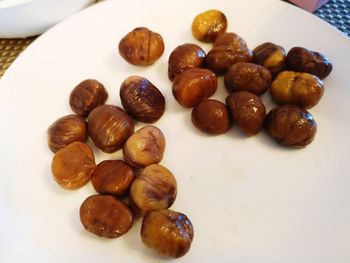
(335, 12)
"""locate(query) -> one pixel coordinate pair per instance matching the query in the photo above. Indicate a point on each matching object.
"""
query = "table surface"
(335, 12)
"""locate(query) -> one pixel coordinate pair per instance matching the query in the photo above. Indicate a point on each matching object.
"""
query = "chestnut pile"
(149, 187)
(293, 79)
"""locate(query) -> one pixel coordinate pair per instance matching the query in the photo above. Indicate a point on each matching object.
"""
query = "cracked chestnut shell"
(154, 188)
(184, 57)
(105, 216)
(247, 110)
(304, 60)
(141, 99)
(168, 232)
(86, 96)
(290, 126)
(109, 127)
(65, 130)
(141, 46)
(73, 165)
(249, 77)
(146, 146)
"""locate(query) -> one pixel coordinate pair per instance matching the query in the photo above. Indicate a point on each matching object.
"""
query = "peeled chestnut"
(86, 96)
(208, 25)
(193, 86)
(65, 130)
(300, 89)
(146, 146)
(141, 46)
(154, 188)
(109, 127)
(228, 49)
(303, 60)
(73, 165)
(105, 216)
(141, 99)
(271, 56)
(113, 177)
(184, 57)
(168, 232)
(247, 110)
(291, 126)
(249, 77)
(211, 116)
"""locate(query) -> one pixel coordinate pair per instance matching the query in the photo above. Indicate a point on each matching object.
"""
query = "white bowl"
(24, 18)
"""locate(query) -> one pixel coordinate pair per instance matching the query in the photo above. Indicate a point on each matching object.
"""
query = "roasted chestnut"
(211, 116)
(247, 110)
(141, 46)
(65, 130)
(105, 216)
(184, 57)
(86, 96)
(146, 146)
(230, 39)
(301, 89)
(303, 60)
(194, 85)
(113, 177)
(73, 165)
(271, 56)
(154, 188)
(208, 25)
(141, 99)
(249, 77)
(291, 126)
(109, 127)
(168, 232)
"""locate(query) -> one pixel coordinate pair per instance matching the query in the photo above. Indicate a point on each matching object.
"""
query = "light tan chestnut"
(146, 146)
(300, 89)
(168, 232)
(73, 165)
(154, 188)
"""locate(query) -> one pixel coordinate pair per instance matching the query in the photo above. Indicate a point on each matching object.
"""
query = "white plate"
(249, 199)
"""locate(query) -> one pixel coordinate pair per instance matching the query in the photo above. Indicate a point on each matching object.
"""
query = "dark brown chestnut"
(304, 60)
(141, 99)
(184, 57)
(109, 127)
(247, 110)
(141, 46)
(65, 130)
(86, 96)
(211, 117)
(291, 126)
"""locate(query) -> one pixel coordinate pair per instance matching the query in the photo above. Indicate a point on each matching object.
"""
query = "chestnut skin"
(154, 188)
(113, 177)
(304, 60)
(211, 117)
(73, 165)
(249, 77)
(270, 56)
(105, 216)
(146, 146)
(141, 99)
(290, 126)
(194, 85)
(208, 25)
(300, 89)
(86, 96)
(184, 57)
(109, 127)
(168, 232)
(65, 130)
(247, 110)
(141, 46)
